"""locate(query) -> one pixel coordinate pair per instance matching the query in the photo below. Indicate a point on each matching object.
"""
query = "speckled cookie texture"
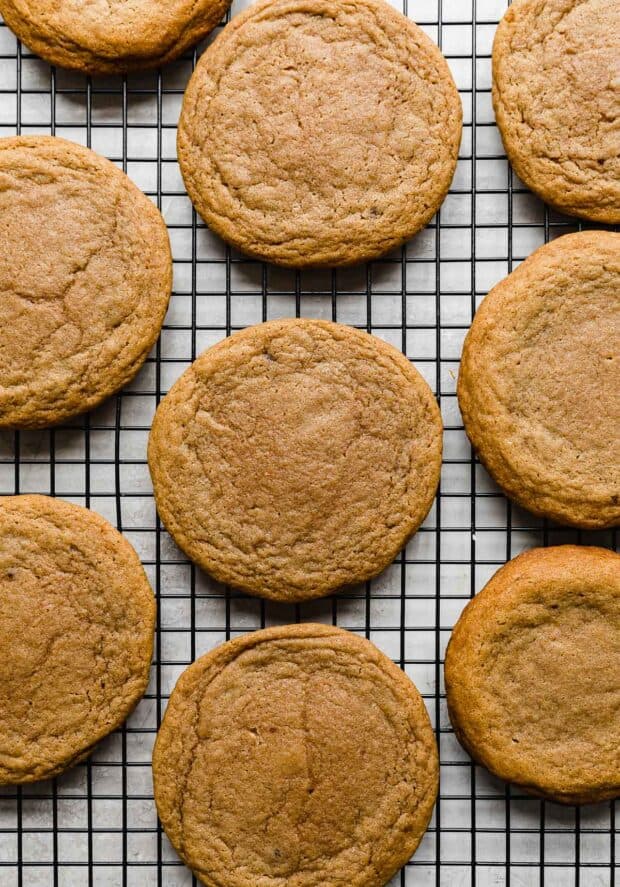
(296, 457)
(556, 94)
(111, 36)
(533, 674)
(539, 384)
(319, 132)
(298, 756)
(85, 279)
(76, 634)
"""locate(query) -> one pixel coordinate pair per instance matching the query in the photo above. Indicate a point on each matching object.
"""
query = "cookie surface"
(539, 384)
(296, 457)
(85, 279)
(77, 617)
(111, 36)
(556, 70)
(299, 756)
(319, 132)
(533, 674)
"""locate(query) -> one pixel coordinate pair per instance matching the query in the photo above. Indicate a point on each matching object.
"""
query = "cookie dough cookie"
(533, 674)
(319, 132)
(539, 385)
(111, 36)
(77, 617)
(556, 94)
(299, 756)
(85, 279)
(296, 457)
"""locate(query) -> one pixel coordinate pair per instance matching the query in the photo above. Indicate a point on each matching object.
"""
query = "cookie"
(557, 102)
(111, 37)
(319, 132)
(299, 756)
(533, 674)
(77, 617)
(85, 279)
(296, 457)
(539, 384)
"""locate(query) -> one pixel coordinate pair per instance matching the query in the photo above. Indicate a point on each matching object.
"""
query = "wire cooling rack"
(96, 826)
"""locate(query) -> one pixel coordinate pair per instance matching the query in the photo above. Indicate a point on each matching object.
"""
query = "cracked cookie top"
(111, 36)
(298, 756)
(539, 384)
(295, 457)
(319, 132)
(85, 278)
(533, 674)
(77, 618)
(556, 94)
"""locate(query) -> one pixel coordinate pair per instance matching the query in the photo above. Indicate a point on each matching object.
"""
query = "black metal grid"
(96, 825)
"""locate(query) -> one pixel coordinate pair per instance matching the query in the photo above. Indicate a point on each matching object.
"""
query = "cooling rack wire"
(96, 826)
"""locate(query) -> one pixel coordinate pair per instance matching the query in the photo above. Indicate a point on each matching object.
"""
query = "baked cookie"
(539, 385)
(299, 756)
(556, 76)
(85, 279)
(111, 36)
(533, 674)
(319, 132)
(296, 457)
(77, 617)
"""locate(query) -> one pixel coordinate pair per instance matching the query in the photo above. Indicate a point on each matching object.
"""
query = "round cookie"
(532, 674)
(557, 102)
(319, 132)
(539, 384)
(296, 457)
(299, 756)
(85, 279)
(77, 617)
(111, 36)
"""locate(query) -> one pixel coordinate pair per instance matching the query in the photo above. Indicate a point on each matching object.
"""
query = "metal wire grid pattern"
(97, 825)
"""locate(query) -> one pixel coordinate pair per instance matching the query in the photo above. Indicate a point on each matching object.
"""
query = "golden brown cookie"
(533, 674)
(111, 36)
(85, 279)
(77, 617)
(319, 132)
(299, 756)
(539, 385)
(556, 94)
(296, 457)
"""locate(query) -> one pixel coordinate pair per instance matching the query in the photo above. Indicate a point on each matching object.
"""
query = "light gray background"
(96, 825)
